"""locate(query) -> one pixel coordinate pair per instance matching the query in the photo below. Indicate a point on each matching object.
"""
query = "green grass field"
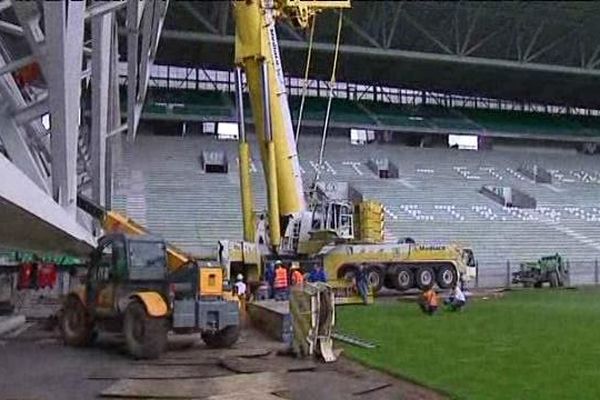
(535, 344)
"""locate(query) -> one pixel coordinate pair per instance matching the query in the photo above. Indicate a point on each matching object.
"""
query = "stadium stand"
(159, 182)
(208, 105)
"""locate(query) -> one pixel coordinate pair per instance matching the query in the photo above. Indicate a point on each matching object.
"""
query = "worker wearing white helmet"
(240, 286)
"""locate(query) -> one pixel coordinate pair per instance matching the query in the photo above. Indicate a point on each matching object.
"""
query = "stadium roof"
(546, 52)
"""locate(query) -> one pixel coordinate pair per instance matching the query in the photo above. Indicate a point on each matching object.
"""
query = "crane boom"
(257, 53)
(112, 221)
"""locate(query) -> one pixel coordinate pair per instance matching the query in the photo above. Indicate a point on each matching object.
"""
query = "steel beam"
(392, 32)
(533, 40)
(13, 29)
(32, 111)
(102, 29)
(103, 7)
(360, 31)
(424, 31)
(14, 139)
(149, 27)
(31, 220)
(139, 74)
(133, 18)
(391, 53)
(16, 64)
(4, 4)
(29, 18)
(198, 16)
(64, 22)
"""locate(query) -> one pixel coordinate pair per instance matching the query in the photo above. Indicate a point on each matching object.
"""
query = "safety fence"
(581, 272)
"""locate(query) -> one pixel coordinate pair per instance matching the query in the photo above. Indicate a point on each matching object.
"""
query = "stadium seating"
(159, 181)
(211, 105)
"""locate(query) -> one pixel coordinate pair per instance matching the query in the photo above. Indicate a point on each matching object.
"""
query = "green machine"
(552, 269)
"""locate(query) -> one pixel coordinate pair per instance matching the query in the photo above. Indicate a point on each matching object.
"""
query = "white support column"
(138, 69)
(133, 19)
(114, 114)
(64, 45)
(151, 36)
(101, 52)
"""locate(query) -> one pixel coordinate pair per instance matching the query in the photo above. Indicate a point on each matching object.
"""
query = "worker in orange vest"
(280, 283)
(297, 277)
(429, 301)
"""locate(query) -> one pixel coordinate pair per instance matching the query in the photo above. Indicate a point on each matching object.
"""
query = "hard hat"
(240, 277)
(278, 262)
(294, 266)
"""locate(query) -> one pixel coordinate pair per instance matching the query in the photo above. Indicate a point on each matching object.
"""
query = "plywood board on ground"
(266, 382)
(244, 366)
(160, 372)
(246, 395)
(216, 353)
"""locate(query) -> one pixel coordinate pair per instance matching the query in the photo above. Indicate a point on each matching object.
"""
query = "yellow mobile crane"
(336, 229)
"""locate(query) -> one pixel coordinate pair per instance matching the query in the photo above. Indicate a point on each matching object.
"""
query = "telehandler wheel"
(375, 278)
(75, 324)
(553, 278)
(425, 277)
(224, 338)
(446, 277)
(146, 336)
(403, 278)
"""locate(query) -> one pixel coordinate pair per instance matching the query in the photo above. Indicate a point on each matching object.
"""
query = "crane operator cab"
(330, 216)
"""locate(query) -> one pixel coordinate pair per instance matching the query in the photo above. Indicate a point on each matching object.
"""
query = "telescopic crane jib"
(257, 54)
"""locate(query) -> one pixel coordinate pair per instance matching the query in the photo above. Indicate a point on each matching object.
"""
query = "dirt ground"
(36, 365)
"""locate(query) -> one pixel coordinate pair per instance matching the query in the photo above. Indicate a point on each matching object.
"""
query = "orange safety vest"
(281, 278)
(297, 278)
(431, 298)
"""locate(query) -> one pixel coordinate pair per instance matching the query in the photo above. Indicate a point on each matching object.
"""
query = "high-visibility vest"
(281, 278)
(431, 298)
(297, 278)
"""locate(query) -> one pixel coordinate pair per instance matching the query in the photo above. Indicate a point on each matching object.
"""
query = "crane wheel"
(425, 277)
(446, 277)
(224, 338)
(375, 277)
(403, 278)
(75, 324)
(146, 336)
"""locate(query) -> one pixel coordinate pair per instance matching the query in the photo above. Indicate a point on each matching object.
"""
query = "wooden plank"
(246, 395)
(267, 382)
(243, 366)
(160, 372)
(182, 363)
(302, 366)
(216, 353)
(372, 389)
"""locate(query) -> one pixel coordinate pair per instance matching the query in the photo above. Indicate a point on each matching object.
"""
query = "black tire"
(76, 325)
(425, 278)
(348, 272)
(446, 277)
(146, 336)
(403, 278)
(222, 339)
(375, 278)
(388, 281)
(553, 279)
